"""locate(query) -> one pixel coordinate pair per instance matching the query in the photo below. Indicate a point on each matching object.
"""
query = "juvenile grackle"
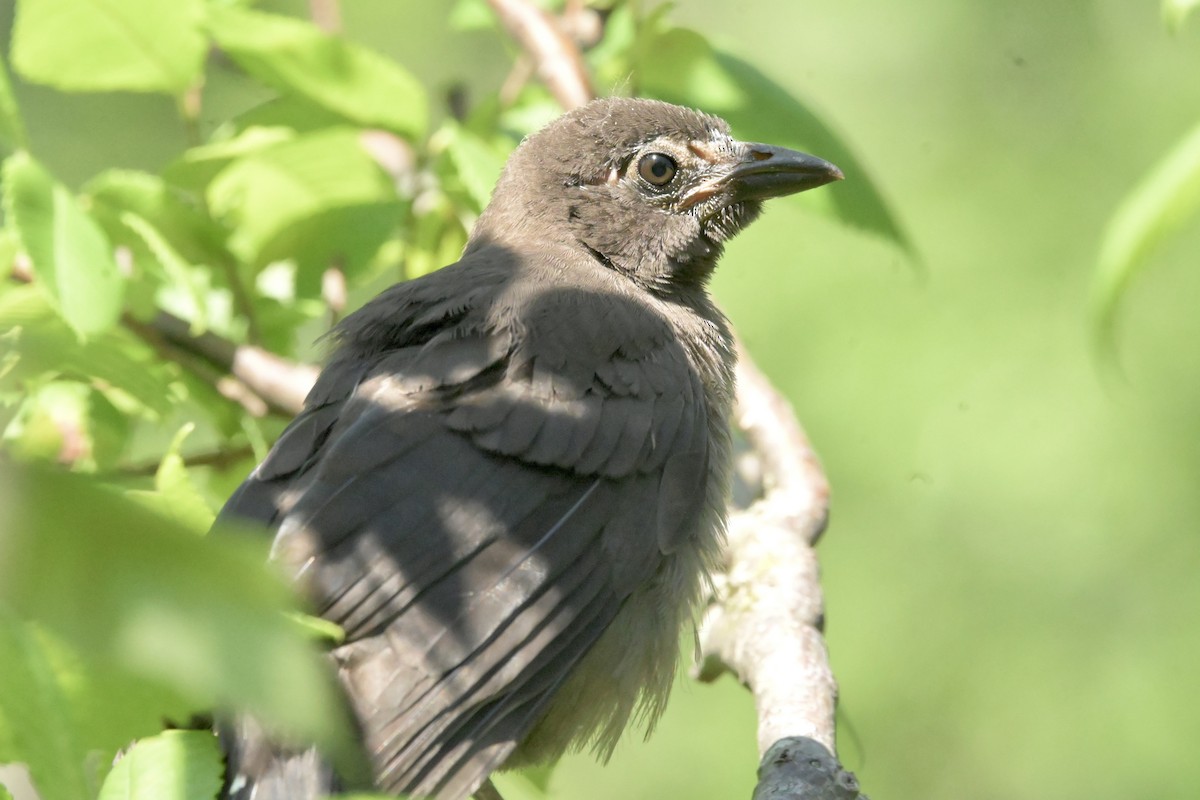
(509, 482)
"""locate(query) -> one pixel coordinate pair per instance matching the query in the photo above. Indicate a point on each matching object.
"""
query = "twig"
(333, 292)
(559, 63)
(221, 459)
(280, 382)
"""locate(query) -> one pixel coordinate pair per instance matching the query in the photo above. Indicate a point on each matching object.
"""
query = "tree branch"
(765, 620)
(253, 376)
(557, 60)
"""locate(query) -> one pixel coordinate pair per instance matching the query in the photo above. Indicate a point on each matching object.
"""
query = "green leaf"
(475, 163)
(69, 422)
(319, 199)
(174, 495)
(471, 15)
(295, 57)
(1158, 206)
(199, 165)
(681, 67)
(45, 345)
(12, 128)
(1176, 11)
(175, 765)
(38, 722)
(64, 718)
(204, 615)
(108, 45)
(69, 253)
(190, 286)
(319, 629)
(177, 216)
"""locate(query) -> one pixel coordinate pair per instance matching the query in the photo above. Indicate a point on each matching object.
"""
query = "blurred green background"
(1011, 568)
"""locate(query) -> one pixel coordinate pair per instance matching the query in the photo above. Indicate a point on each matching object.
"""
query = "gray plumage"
(509, 481)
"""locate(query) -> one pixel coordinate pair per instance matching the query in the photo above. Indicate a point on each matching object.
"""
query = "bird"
(508, 485)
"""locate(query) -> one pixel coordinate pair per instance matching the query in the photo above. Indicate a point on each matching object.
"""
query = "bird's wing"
(473, 509)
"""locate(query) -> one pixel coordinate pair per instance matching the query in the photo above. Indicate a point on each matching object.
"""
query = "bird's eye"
(656, 169)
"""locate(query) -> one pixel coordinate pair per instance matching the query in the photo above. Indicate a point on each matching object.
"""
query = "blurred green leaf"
(199, 165)
(524, 784)
(680, 66)
(475, 163)
(472, 15)
(69, 422)
(69, 253)
(39, 724)
(288, 112)
(45, 345)
(319, 199)
(1176, 11)
(191, 285)
(174, 495)
(12, 128)
(65, 719)
(99, 45)
(435, 239)
(1166, 198)
(295, 57)
(319, 629)
(175, 765)
(130, 588)
(177, 216)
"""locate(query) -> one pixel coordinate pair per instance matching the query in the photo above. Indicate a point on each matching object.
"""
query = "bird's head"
(648, 188)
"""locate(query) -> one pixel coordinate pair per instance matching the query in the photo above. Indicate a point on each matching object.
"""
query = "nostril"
(760, 155)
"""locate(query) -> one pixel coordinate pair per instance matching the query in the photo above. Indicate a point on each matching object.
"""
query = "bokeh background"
(1013, 566)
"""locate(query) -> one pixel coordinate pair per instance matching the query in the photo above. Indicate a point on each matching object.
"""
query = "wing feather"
(474, 508)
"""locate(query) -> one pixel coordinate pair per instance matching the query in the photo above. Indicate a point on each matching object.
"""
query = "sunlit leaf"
(1166, 198)
(46, 345)
(525, 784)
(476, 164)
(127, 587)
(199, 165)
(191, 290)
(318, 200)
(65, 718)
(12, 128)
(70, 255)
(295, 57)
(100, 45)
(38, 723)
(174, 765)
(681, 67)
(1176, 11)
(176, 216)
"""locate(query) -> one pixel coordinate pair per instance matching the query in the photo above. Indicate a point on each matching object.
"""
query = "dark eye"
(656, 169)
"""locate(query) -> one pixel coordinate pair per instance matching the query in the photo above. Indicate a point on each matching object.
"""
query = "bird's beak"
(767, 171)
(762, 171)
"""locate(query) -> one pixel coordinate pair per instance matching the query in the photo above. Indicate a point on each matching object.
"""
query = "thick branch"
(250, 375)
(765, 620)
